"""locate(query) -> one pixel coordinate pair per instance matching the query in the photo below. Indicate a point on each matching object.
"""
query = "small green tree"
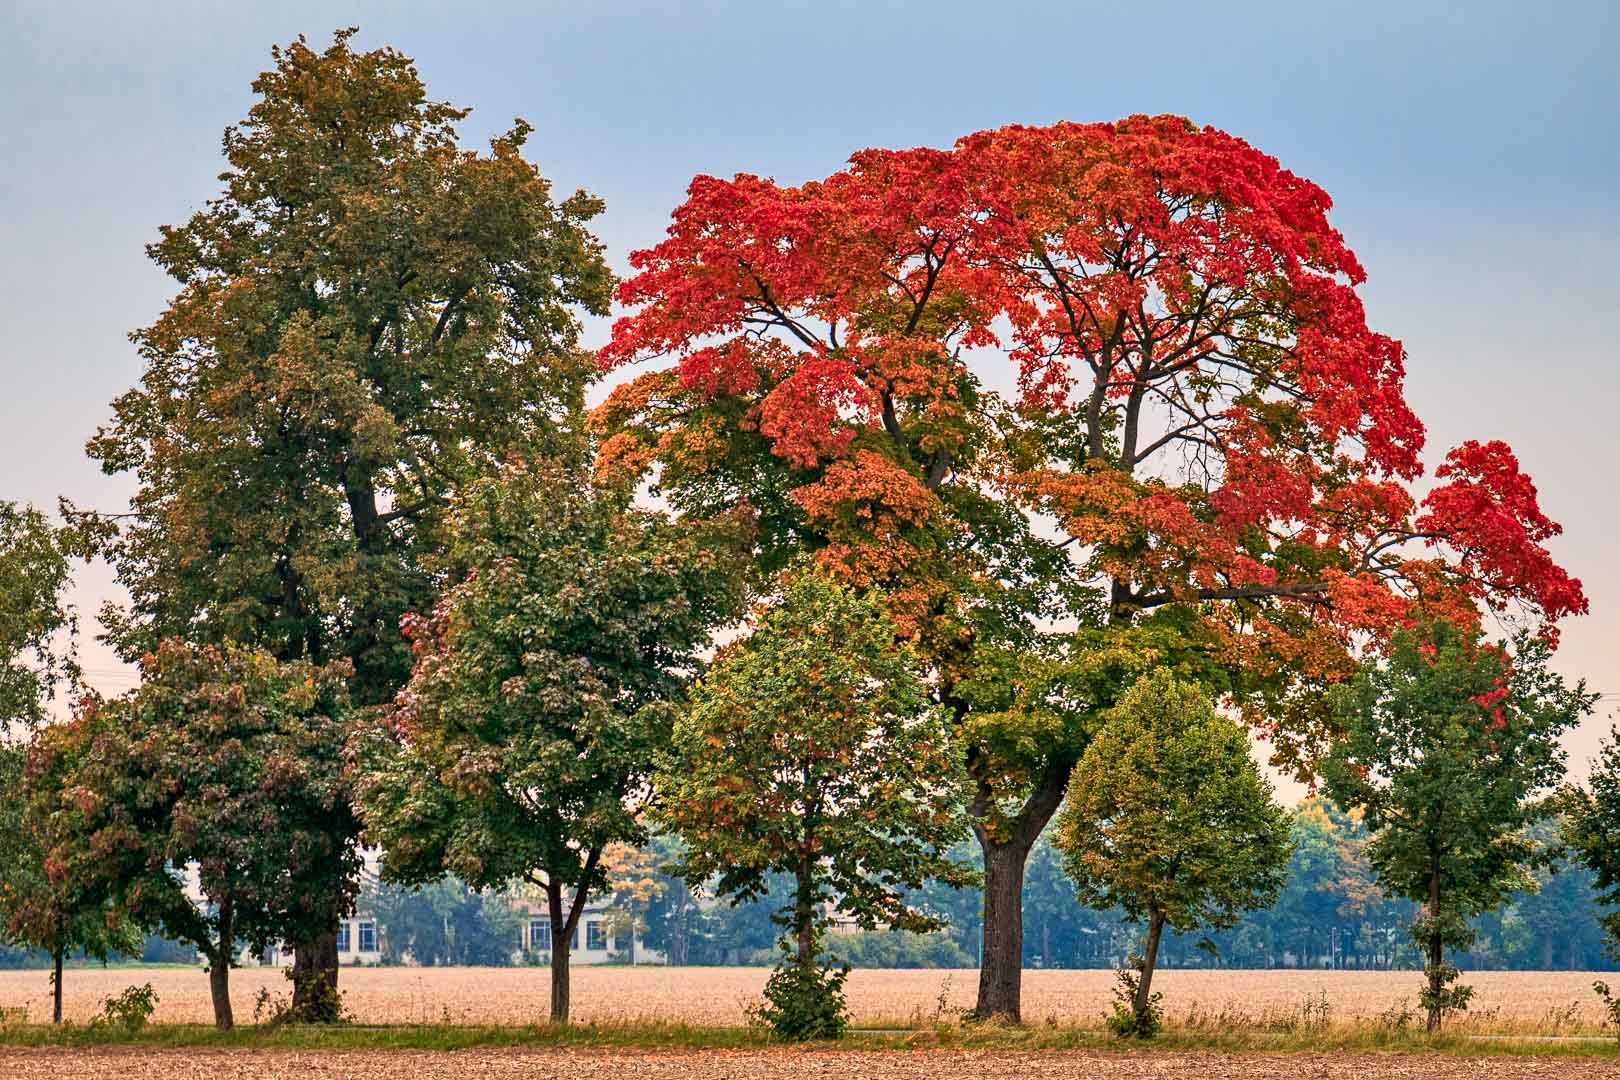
(812, 749)
(1169, 818)
(37, 909)
(1592, 831)
(1447, 742)
(223, 761)
(543, 683)
(37, 658)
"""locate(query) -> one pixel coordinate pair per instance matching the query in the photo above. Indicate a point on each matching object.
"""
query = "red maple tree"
(1201, 413)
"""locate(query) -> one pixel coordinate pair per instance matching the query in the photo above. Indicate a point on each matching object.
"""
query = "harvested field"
(1509, 1001)
(778, 1065)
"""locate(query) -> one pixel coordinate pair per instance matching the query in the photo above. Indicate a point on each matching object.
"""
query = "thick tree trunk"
(1001, 960)
(1149, 960)
(56, 981)
(1002, 965)
(315, 980)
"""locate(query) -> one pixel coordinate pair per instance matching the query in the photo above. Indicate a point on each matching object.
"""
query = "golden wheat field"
(1505, 1001)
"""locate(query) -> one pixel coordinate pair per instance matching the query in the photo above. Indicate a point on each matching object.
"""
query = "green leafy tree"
(1555, 919)
(1447, 742)
(367, 315)
(412, 923)
(676, 923)
(36, 658)
(485, 930)
(1592, 830)
(812, 749)
(223, 761)
(39, 909)
(36, 625)
(1169, 818)
(544, 681)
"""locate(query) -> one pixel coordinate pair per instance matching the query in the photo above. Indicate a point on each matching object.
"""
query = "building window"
(368, 937)
(539, 935)
(595, 936)
(343, 936)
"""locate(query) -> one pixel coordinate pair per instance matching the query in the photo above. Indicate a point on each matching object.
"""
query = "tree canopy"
(36, 625)
(1592, 829)
(223, 758)
(1449, 740)
(1201, 407)
(544, 683)
(812, 749)
(368, 315)
(1169, 819)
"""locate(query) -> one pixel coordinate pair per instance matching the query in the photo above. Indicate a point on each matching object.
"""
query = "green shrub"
(1611, 1005)
(129, 1010)
(803, 1001)
(1127, 1021)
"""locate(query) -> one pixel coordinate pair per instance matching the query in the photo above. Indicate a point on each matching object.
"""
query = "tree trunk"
(315, 980)
(56, 981)
(561, 944)
(1436, 954)
(1001, 960)
(1546, 951)
(560, 947)
(1151, 958)
(804, 913)
(1002, 964)
(219, 986)
(679, 941)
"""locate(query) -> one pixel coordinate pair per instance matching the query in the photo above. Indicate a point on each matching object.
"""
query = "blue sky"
(1471, 150)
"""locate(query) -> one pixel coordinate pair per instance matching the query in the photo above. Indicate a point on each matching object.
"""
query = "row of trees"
(388, 573)
(1329, 914)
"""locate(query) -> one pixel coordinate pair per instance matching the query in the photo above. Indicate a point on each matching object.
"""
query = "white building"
(597, 940)
(358, 945)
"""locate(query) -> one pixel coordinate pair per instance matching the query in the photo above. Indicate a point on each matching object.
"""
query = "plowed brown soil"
(62, 1064)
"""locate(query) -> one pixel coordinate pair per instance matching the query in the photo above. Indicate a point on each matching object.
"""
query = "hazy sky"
(1472, 150)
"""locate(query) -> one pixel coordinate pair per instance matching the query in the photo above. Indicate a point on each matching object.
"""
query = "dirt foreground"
(79, 1064)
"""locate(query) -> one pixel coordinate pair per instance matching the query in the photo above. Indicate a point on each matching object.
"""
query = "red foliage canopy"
(1169, 296)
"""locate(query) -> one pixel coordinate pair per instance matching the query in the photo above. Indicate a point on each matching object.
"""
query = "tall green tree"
(367, 315)
(544, 682)
(1169, 818)
(1448, 742)
(224, 760)
(812, 748)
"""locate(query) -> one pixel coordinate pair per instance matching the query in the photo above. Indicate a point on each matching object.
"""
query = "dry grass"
(1505, 1002)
